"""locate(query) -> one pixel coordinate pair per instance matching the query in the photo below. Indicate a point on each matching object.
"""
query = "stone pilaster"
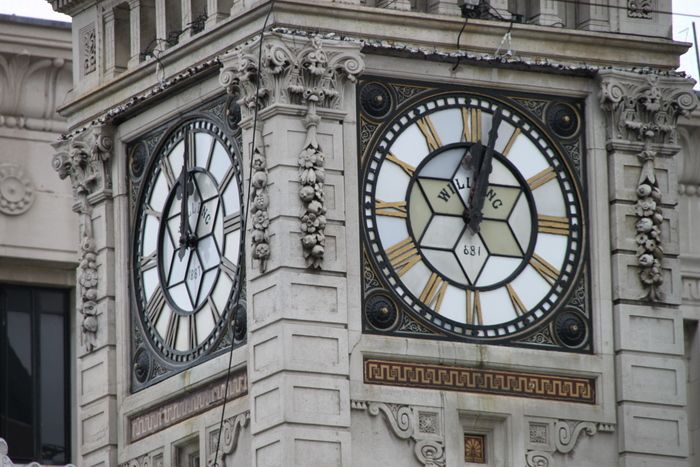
(298, 362)
(86, 160)
(642, 113)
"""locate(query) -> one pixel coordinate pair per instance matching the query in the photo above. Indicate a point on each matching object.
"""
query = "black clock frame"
(148, 364)
(385, 314)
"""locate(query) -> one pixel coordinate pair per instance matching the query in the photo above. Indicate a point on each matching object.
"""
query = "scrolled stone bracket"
(643, 113)
(85, 159)
(231, 430)
(420, 425)
(548, 438)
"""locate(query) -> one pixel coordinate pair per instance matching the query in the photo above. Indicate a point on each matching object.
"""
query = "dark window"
(34, 376)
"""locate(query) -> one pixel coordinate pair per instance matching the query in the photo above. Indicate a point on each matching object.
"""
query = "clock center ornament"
(472, 218)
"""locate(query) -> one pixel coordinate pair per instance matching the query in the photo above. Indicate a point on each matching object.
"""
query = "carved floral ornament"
(85, 160)
(548, 438)
(311, 75)
(16, 190)
(643, 114)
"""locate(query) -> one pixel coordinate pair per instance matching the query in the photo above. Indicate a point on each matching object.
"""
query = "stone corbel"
(85, 159)
(421, 426)
(549, 437)
(311, 76)
(643, 112)
(231, 430)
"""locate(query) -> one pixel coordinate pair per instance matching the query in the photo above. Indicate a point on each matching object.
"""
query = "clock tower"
(378, 233)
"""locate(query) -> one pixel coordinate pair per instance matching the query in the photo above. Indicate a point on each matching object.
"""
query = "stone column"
(594, 16)
(545, 13)
(86, 160)
(642, 113)
(298, 365)
(108, 42)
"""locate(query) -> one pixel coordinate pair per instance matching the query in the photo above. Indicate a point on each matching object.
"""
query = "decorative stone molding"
(549, 437)
(21, 75)
(421, 426)
(153, 459)
(232, 428)
(643, 114)
(5, 461)
(88, 50)
(310, 76)
(86, 160)
(640, 8)
(16, 190)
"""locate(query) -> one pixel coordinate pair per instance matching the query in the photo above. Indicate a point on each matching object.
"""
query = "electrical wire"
(245, 218)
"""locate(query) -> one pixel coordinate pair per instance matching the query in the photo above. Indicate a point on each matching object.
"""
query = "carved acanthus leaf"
(645, 111)
(85, 160)
(311, 74)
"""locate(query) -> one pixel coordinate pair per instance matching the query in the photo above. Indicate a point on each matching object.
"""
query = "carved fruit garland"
(311, 177)
(259, 205)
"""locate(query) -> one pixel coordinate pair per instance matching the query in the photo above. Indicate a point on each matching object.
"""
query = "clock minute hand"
(482, 179)
(184, 215)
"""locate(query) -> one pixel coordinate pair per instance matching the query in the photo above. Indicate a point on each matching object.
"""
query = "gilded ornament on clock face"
(472, 215)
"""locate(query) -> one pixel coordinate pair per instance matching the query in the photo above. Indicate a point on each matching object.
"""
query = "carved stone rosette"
(310, 74)
(640, 9)
(420, 425)
(643, 112)
(85, 158)
(16, 190)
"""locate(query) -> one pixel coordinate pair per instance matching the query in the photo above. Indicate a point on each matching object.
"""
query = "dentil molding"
(308, 74)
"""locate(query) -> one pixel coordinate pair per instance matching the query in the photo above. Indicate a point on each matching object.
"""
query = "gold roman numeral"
(425, 125)
(390, 208)
(541, 178)
(229, 268)
(408, 168)
(193, 341)
(471, 123)
(232, 223)
(474, 315)
(403, 256)
(520, 308)
(168, 172)
(173, 330)
(155, 306)
(147, 262)
(546, 270)
(434, 292)
(552, 225)
(511, 141)
(214, 310)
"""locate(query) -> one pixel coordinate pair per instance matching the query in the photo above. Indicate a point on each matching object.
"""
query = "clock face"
(472, 216)
(187, 242)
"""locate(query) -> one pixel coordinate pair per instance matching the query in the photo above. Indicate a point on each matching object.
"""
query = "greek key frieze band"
(464, 379)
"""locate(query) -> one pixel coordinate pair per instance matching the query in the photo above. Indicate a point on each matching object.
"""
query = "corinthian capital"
(85, 159)
(290, 71)
(645, 108)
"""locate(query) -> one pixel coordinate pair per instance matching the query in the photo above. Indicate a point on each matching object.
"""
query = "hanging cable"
(245, 219)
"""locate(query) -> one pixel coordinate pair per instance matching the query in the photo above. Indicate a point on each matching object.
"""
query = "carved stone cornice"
(550, 437)
(310, 74)
(86, 160)
(642, 117)
(422, 426)
(70, 7)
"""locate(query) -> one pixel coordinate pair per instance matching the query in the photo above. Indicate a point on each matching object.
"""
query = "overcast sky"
(682, 25)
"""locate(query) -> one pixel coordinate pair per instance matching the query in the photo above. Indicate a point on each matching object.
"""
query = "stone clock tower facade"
(381, 233)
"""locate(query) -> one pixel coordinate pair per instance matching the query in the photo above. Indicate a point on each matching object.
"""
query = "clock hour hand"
(185, 188)
(481, 184)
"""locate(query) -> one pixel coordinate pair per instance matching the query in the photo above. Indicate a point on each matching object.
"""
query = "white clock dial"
(187, 245)
(472, 216)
